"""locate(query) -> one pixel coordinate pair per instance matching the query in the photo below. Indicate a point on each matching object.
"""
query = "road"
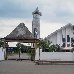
(29, 67)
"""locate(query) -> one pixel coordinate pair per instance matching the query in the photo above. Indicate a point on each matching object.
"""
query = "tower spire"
(37, 8)
(36, 12)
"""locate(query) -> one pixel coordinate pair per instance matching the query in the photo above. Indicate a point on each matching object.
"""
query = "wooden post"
(19, 53)
(39, 53)
(35, 50)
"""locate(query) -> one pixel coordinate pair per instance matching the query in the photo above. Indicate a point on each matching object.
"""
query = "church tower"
(36, 23)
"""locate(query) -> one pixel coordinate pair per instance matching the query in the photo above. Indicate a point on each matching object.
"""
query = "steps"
(43, 62)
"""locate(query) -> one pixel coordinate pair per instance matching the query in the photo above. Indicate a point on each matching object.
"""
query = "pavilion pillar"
(35, 46)
(19, 53)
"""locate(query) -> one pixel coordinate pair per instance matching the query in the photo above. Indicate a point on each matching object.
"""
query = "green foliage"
(43, 44)
(22, 48)
(52, 48)
(47, 47)
(55, 48)
(1, 43)
(72, 49)
(31, 52)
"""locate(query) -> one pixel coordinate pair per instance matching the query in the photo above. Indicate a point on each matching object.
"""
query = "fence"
(54, 56)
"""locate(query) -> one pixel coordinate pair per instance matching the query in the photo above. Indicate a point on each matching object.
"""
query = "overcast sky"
(55, 14)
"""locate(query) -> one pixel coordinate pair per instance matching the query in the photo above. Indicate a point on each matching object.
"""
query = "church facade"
(63, 37)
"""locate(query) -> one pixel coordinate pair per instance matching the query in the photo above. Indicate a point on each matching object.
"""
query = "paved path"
(29, 67)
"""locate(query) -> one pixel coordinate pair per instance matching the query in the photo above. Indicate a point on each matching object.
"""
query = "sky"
(55, 14)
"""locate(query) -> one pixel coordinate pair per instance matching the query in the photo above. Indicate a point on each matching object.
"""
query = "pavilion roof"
(21, 32)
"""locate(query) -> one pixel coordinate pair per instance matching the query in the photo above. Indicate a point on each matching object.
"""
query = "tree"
(44, 45)
(1, 43)
(23, 48)
(72, 49)
(55, 48)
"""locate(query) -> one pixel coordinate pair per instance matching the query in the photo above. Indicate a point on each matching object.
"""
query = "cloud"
(54, 13)
(14, 9)
(7, 25)
(58, 11)
(46, 28)
(52, 10)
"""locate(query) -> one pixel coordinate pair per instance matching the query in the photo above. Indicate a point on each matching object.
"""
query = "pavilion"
(20, 34)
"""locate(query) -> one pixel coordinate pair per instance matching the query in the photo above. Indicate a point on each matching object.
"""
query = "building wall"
(59, 37)
(67, 33)
(53, 39)
(54, 56)
(2, 53)
(63, 37)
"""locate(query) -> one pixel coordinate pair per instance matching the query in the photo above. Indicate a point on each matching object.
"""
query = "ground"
(29, 67)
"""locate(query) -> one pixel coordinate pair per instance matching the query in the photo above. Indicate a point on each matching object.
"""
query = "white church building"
(63, 37)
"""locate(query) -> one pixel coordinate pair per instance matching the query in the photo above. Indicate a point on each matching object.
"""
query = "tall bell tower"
(36, 23)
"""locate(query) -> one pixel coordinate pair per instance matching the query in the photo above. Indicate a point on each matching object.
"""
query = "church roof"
(20, 32)
(69, 24)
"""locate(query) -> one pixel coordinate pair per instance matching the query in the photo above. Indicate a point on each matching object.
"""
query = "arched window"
(35, 32)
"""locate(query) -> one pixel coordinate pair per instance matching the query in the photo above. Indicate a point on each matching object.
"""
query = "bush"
(31, 52)
(72, 49)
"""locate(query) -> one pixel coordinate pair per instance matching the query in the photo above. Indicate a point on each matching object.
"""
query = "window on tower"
(35, 32)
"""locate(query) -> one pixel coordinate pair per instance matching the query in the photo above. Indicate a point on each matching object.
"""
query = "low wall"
(2, 53)
(54, 56)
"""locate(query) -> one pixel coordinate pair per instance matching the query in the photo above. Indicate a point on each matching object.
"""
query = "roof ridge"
(69, 24)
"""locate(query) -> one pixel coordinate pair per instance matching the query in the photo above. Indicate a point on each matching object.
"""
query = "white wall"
(37, 54)
(53, 39)
(54, 56)
(2, 51)
(59, 37)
